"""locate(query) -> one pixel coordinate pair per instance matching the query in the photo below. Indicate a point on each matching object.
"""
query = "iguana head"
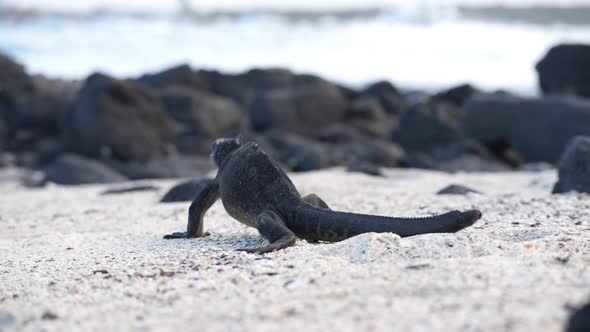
(222, 147)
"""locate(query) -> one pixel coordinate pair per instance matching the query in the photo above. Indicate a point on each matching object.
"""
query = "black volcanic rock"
(338, 133)
(431, 133)
(30, 110)
(14, 82)
(185, 191)
(431, 128)
(181, 75)
(47, 103)
(391, 99)
(15, 89)
(303, 110)
(129, 189)
(457, 96)
(574, 167)
(73, 170)
(472, 163)
(369, 118)
(565, 69)
(32, 102)
(456, 189)
(209, 115)
(535, 129)
(3, 132)
(375, 152)
(297, 153)
(118, 118)
(178, 166)
(13, 73)
(204, 118)
(365, 168)
(366, 107)
(243, 88)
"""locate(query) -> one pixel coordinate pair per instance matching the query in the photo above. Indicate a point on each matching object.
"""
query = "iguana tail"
(326, 225)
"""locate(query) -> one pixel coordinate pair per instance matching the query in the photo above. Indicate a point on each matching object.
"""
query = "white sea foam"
(423, 47)
(159, 5)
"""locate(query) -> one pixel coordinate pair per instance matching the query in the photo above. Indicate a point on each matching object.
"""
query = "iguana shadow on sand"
(255, 191)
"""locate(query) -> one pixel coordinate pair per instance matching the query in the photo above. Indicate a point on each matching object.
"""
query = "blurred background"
(425, 44)
(107, 90)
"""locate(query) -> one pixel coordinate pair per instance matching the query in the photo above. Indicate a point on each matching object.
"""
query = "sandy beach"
(73, 259)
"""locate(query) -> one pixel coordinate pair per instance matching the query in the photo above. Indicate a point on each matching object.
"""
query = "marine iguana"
(255, 191)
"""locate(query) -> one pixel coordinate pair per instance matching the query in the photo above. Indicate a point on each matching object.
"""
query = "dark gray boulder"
(338, 133)
(303, 110)
(457, 95)
(204, 114)
(13, 74)
(203, 117)
(3, 133)
(392, 101)
(565, 69)
(366, 107)
(178, 166)
(185, 191)
(32, 102)
(456, 189)
(243, 88)
(182, 75)
(366, 168)
(472, 163)
(120, 119)
(15, 88)
(71, 169)
(574, 167)
(431, 128)
(30, 109)
(296, 153)
(375, 152)
(369, 118)
(537, 130)
(431, 133)
(129, 189)
(46, 104)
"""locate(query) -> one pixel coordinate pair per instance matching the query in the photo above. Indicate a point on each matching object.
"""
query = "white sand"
(517, 269)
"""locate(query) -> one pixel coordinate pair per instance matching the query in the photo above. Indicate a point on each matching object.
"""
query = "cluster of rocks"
(162, 124)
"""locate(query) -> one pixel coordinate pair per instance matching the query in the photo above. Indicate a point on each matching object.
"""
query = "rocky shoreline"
(161, 125)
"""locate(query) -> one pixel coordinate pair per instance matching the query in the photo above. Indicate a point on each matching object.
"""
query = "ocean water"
(416, 44)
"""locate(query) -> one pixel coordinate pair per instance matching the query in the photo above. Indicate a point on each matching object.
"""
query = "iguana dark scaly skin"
(255, 191)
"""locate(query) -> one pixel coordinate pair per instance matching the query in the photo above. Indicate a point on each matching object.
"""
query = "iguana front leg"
(272, 227)
(203, 201)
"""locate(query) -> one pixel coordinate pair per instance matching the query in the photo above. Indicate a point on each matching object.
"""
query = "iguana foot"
(184, 235)
(202, 202)
(281, 244)
(316, 201)
(272, 227)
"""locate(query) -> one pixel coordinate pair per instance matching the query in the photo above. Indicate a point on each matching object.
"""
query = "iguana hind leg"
(272, 227)
(316, 201)
(203, 201)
